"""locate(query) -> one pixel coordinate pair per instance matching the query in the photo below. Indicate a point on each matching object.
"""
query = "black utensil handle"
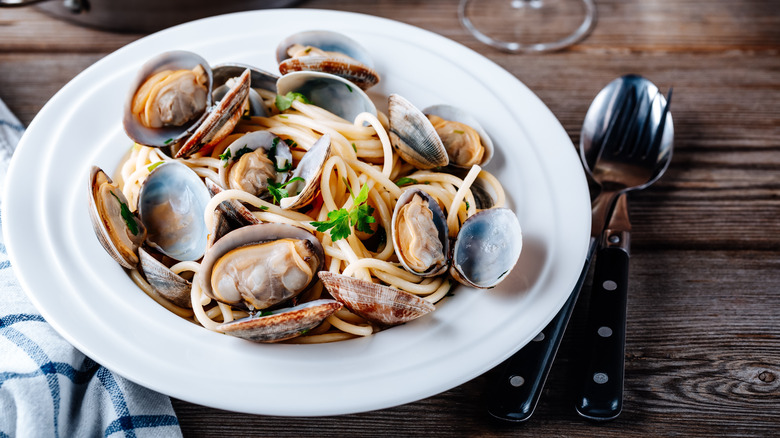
(515, 387)
(601, 389)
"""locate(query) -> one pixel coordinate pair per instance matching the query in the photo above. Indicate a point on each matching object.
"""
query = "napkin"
(47, 387)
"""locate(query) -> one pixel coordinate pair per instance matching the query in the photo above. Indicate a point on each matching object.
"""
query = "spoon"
(625, 145)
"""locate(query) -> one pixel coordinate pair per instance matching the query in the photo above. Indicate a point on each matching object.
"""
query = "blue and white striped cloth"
(47, 387)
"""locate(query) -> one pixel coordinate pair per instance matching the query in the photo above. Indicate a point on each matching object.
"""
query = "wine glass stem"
(520, 4)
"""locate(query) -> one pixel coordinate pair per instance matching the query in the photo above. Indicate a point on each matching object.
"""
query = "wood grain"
(703, 344)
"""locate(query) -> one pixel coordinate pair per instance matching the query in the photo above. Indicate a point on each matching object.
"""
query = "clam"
(413, 136)
(119, 231)
(255, 158)
(420, 235)
(171, 204)
(310, 170)
(230, 211)
(466, 142)
(168, 284)
(168, 99)
(487, 247)
(333, 93)
(328, 52)
(225, 74)
(282, 324)
(221, 119)
(262, 265)
(383, 305)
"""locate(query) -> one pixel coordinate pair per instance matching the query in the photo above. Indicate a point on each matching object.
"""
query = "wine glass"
(527, 26)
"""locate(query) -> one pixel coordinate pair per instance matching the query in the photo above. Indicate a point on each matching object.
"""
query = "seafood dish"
(287, 208)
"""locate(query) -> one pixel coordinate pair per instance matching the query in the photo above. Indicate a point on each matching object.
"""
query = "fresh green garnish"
(290, 142)
(467, 205)
(354, 147)
(241, 152)
(151, 167)
(458, 131)
(283, 117)
(359, 216)
(225, 156)
(264, 313)
(285, 102)
(278, 190)
(168, 141)
(127, 216)
(348, 88)
(263, 208)
(308, 49)
(405, 181)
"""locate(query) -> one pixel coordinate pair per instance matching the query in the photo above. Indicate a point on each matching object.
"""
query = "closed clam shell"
(168, 135)
(441, 234)
(220, 120)
(451, 113)
(111, 228)
(281, 324)
(167, 283)
(333, 93)
(385, 306)
(413, 136)
(487, 247)
(358, 68)
(259, 79)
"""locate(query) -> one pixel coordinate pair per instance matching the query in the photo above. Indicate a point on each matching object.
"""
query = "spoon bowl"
(626, 141)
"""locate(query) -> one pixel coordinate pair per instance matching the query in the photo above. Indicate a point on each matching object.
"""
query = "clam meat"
(463, 137)
(171, 97)
(419, 232)
(254, 159)
(262, 265)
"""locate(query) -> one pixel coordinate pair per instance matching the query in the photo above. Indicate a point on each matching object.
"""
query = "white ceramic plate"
(91, 301)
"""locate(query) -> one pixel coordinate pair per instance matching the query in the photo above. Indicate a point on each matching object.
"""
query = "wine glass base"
(527, 26)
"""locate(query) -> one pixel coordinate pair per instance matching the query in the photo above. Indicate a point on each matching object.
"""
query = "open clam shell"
(454, 114)
(421, 245)
(310, 169)
(333, 93)
(252, 176)
(259, 79)
(168, 284)
(271, 273)
(413, 136)
(119, 231)
(282, 324)
(234, 212)
(167, 135)
(379, 304)
(357, 66)
(220, 120)
(171, 205)
(487, 248)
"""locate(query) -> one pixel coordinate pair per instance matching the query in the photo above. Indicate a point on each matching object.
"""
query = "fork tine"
(659, 133)
(599, 142)
(633, 124)
(643, 137)
(622, 120)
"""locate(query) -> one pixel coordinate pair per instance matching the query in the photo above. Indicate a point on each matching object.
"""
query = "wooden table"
(703, 347)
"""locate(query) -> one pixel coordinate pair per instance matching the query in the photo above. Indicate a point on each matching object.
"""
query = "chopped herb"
(458, 131)
(290, 142)
(348, 88)
(354, 147)
(278, 190)
(168, 141)
(241, 152)
(405, 181)
(359, 216)
(264, 313)
(225, 156)
(304, 331)
(308, 49)
(285, 102)
(283, 117)
(467, 205)
(151, 167)
(127, 216)
(263, 208)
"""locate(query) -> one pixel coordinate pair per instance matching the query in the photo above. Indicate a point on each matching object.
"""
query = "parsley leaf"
(127, 216)
(354, 147)
(359, 216)
(151, 167)
(167, 142)
(285, 102)
(272, 156)
(242, 151)
(405, 181)
(225, 156)
(457, 131)
(278, 190)
(348, 88)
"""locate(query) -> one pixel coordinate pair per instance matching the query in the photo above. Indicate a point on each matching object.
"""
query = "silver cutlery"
(642, 155)
(618, 114)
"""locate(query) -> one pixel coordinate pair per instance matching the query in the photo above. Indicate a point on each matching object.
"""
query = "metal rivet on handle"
(605, 332)
(600, 378)
(516, 381)
(609, 285)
